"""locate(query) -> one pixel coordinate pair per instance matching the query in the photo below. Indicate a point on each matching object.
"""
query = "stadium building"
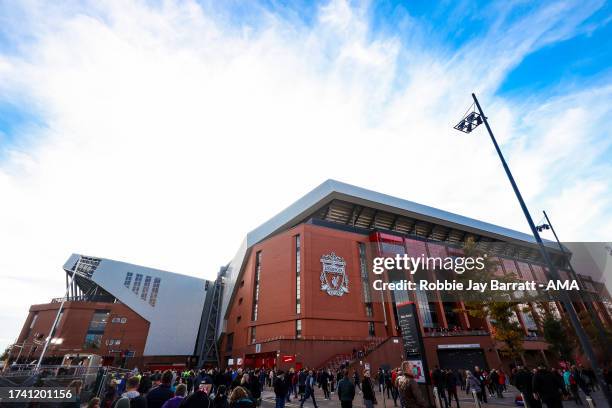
(298, 291)
(130, 315)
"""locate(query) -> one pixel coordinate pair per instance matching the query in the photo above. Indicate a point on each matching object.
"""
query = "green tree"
(556, 335)
(498, 306)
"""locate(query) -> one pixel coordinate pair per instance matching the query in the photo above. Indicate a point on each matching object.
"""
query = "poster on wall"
(418, 371)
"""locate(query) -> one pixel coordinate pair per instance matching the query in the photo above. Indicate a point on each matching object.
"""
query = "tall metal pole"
(59, 311)
(569, 307)
(589, 304)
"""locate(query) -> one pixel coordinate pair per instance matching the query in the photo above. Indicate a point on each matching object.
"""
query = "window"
(253, 338)
(93, 341)
(298, 270)
(256, 286)
(371, 329)
(128, 280)
(98, 321)
(154, 291)
(238, 319)
(242, 283)
(229, 344)
(137, 281)
(145, 288)
(365, 279)
(113, 342)
(124, 320)
(240, 301)
(369, 310)
(34, 318)
(298, 328)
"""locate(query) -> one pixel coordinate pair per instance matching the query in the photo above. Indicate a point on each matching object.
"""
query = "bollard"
(476, 400)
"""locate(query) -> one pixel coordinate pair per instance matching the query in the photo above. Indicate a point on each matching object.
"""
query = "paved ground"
(464, 401)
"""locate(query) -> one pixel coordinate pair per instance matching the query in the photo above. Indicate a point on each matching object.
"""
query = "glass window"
(34, 318)
(154, 291)
(256, 286)
(298, 328)
(98, 321)
(369, 310)
(365, 280)
(137, 281)
(145, 288)
(253, 338)
(128, 280)
(371, 329)
(298, 270)
(93, 341)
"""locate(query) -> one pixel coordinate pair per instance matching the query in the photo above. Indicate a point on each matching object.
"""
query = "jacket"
(346, 390)
(158, 395)
(280, 387)
(409, 392)
(368, 390)
(173, 402)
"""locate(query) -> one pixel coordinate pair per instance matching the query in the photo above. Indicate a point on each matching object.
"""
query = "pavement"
(465, 401)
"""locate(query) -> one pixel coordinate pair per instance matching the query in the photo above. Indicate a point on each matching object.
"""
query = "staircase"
(338, 360)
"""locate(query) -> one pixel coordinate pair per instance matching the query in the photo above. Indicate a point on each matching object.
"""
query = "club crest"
(334, 280)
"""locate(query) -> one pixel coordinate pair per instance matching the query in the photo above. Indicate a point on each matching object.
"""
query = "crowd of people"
(242, 388)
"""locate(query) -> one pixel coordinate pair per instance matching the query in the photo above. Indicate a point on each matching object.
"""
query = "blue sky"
(136, 130)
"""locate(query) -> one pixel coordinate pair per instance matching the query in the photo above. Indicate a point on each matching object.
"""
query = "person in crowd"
(301, 381)
(380, 379)
(309, 389)
(132, 398)
(288, 378)
(279, 383)
(240, 398)
(369, 397)
(439, 381)
(94, 403)
(472, 384)
(220, 400)
(162, 393)
(198, 399)
(324, 380)
(110, 395)
(346, 391)
(255, 386)
(177, 399)
(523, 380)
(357, 380)
(409, 392)
(451, 387)
(481, 376)
(146, 383)
(547, 388)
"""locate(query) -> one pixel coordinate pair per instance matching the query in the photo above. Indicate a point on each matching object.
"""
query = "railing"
(455, 333)
(321, 338)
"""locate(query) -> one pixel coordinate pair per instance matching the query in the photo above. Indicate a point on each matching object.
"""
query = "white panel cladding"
(175, 317)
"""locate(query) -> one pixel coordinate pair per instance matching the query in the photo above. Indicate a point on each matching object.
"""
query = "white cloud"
(168, 133)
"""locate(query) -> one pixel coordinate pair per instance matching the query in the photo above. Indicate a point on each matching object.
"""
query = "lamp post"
(466, 125)
(589, 304)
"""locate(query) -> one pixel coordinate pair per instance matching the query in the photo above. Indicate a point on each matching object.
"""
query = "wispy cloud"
(165, 132)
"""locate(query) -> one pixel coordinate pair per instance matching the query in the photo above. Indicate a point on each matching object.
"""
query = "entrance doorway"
(462, 359)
